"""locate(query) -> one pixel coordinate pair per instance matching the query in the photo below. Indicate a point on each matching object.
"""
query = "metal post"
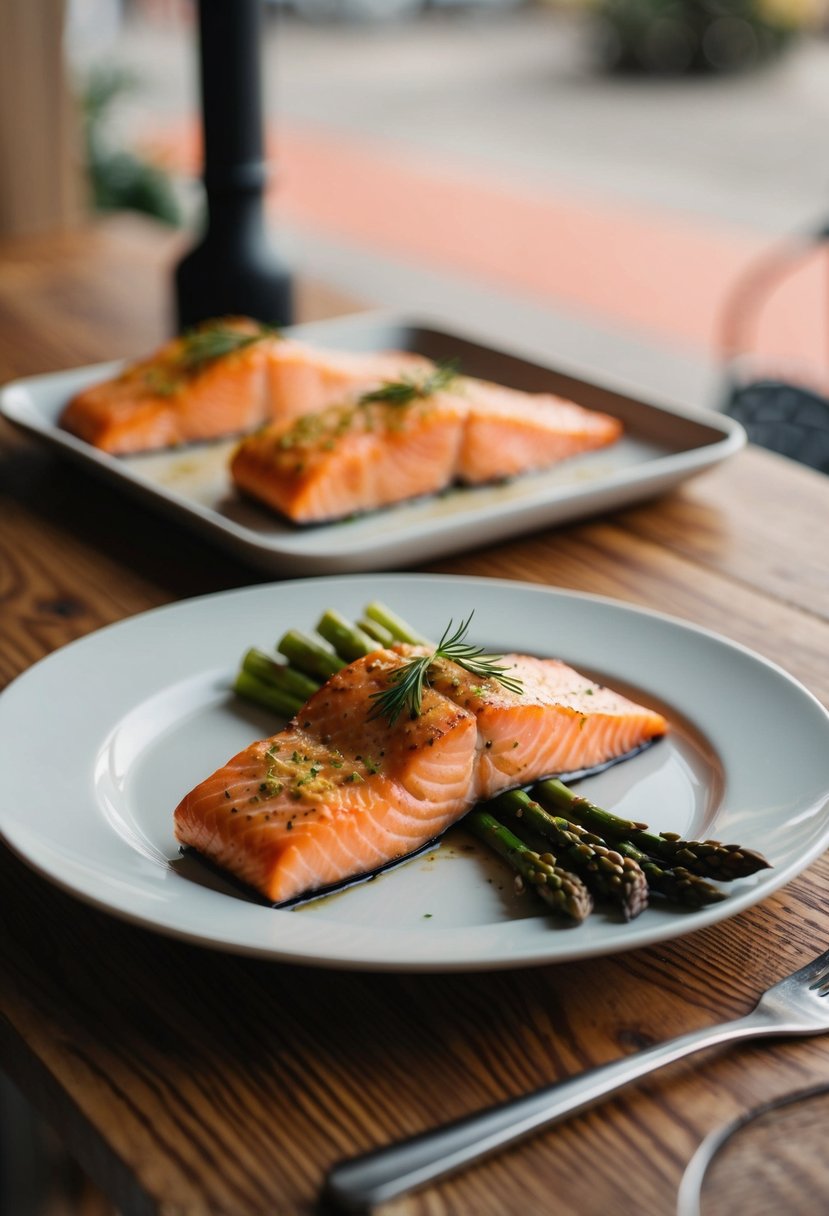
(232, 269)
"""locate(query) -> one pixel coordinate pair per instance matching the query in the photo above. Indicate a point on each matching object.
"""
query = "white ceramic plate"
(99, 742)
(660, 448)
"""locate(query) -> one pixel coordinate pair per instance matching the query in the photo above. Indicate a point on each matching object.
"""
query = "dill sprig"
(406, 683)
(409, 388)
(214, 341)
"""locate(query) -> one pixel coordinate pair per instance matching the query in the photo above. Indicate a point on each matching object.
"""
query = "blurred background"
(588, 178)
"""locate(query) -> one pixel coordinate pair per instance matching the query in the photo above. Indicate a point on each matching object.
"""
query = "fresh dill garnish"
(406, 683)
(214, 341)
(408, 388)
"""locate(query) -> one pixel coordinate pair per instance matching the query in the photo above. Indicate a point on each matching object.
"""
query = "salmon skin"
(339, 793)
(375, 451)
(223, 378)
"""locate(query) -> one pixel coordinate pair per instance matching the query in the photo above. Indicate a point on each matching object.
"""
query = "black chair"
(784, 416)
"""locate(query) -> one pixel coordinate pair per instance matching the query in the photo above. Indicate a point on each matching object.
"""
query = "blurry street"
(474, 164)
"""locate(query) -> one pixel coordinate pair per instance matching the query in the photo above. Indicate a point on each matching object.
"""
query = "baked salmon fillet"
(351, 459)
(339, 792)
(334, 795)
(223, 378)
(409, 438)
(207, 384)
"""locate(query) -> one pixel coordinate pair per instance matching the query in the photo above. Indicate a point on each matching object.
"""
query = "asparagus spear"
(675, 883)
(707, 858)
(252, 688)
(285, 687)
(381, 635)
(563, 891)
(279, 675)
(400, 630)
(349, 641)
(308, 655)
(604, 871)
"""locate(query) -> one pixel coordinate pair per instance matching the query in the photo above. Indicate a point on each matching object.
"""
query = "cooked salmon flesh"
(339, 792)
(223, 378)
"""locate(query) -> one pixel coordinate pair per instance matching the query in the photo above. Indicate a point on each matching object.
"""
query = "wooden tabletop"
(189, 1081)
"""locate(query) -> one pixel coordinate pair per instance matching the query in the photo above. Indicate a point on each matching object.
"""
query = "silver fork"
(794, 1006)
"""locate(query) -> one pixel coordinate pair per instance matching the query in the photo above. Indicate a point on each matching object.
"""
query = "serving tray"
(661, 447)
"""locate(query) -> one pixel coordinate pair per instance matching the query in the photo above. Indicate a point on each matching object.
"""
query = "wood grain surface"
(187, 1081)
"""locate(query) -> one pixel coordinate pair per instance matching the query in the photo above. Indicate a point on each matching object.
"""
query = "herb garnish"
(214, 341)
(406, 683)
(408, 389)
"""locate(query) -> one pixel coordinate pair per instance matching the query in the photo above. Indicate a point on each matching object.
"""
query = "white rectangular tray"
(661, 447)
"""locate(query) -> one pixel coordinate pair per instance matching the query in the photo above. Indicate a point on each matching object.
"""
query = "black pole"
(233, 269)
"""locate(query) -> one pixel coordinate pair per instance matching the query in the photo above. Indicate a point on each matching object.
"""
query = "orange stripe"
(665, 276)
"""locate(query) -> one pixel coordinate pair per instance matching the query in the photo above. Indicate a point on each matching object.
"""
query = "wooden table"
(187, 1081)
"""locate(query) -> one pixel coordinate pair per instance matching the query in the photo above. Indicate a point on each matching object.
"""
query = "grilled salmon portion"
(334, 795)
(509, 432)
(352, 458)
(431, 430)
(339, 792)
(225, 377)
(206, 384)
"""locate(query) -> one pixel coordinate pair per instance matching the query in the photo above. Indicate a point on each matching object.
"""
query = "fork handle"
(358, 1184)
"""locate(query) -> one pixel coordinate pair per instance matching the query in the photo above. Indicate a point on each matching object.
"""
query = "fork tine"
(821, 984)
(814, 972)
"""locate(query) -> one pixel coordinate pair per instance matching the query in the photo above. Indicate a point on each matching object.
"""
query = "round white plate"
(100, 741)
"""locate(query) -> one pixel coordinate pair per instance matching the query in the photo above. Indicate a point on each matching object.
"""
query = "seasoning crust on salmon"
(340, 792)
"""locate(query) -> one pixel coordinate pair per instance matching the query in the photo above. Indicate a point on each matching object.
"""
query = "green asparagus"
(348, 640)
(251, 688)
(707, 858)
(279, 675)
(308, 655)
(381, 635)
(603, 870)
(560, 889)
(675, 883)
(399, 629)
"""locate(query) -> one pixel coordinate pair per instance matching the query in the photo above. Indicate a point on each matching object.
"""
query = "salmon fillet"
(351, 459)
(179, 394)
(333, 795)
(337, 793)
(509, 432)
(368, 454)
(224, 378)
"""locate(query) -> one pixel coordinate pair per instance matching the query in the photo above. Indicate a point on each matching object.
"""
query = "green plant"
(676, 36)
(119, 180)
